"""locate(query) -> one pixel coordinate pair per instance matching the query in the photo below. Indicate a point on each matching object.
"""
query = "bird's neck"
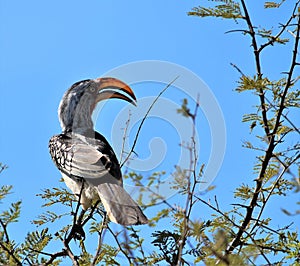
(76, 117)
(88, 133)
(79, 125)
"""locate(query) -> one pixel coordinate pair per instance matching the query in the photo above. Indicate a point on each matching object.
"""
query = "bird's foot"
(78, 232)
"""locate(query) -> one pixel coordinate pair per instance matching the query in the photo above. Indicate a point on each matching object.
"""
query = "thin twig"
(139, 242)
(286, 118)
(143, 120)
(234, 224)
(283, 28)
(127, 246)
(2, 167)
(269, 102)
(120, 245)
(101, 234)
(125, 135)
(191, 186)
(54, 256)
(4, 226)
(270, 192)
(92, 211)
(11, 254)
(289, 79)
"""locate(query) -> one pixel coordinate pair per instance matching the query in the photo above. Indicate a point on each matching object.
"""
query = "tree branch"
(283, 28)
(271, 137)
(143, 120)
(235, 225)
(258, 66)
(289, 78)
(191, 186)
(100, 241)
(120, 245)
(286, 167)
(11, 254)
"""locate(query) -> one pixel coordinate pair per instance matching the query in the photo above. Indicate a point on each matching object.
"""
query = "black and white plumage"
(83, 155)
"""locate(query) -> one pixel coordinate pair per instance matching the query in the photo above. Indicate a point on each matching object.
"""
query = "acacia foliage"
(241, 235)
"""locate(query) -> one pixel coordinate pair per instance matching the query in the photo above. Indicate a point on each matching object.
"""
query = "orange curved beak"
(111, 88)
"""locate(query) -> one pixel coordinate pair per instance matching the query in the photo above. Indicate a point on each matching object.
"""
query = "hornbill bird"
(87, 162)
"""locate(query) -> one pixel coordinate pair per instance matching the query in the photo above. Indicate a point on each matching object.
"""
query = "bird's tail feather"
(120, 207)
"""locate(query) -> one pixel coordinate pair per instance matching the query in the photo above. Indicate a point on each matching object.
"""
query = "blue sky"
(48, 45)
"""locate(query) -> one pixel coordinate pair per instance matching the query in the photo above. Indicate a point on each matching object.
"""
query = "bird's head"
(79, 101)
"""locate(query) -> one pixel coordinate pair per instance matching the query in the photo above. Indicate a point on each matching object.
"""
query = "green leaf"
(35, 242)
(4, 191)
(11, 215)
(273, 4)
(47, 217)
(227, 10)
(184, 110)
(57, 195)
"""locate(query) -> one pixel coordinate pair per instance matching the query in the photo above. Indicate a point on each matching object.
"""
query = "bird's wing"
(95, 162)
(81, 157)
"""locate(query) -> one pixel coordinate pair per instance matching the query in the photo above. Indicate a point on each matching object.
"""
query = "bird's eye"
(92, 89)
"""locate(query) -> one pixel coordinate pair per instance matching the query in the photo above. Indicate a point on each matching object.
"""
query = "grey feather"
(120, 207)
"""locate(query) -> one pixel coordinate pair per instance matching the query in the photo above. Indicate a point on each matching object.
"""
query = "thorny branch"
(283, 28)
(271, 135)
(284, 170)
(217, 209)
(269, 102)
(252, 33)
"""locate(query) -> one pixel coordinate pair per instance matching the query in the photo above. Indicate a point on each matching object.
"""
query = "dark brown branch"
(235, 225)
(269, 152)
(258, 66)
(54, 256)
(286, 167)
(283, 115)
(92, 211)
(2, 167)
(75, 233)
(127, 247)
(4, 226)
(11, 254)
(253, 202)
(65, 252)
(289, 80)
(139, 242)
(70, 254)
(283, 28)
